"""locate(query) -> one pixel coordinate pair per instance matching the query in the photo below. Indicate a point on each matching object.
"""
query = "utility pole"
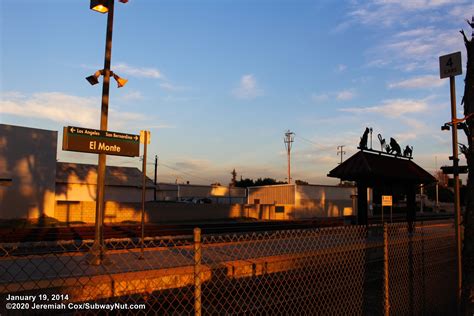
(289, 139)
(341, 152)
(437, 184)
(451, 66)
(154, 180)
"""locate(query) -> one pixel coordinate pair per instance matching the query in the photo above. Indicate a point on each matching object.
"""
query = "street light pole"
(98, 248)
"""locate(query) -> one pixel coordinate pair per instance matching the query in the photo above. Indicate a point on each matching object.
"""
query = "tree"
(244, 183)
(233, 181)
(267, 181)
(467, 291)
(301, 182)
(441, 177)
(444, 194)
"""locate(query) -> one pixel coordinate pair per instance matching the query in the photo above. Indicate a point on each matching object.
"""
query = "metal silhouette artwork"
(392, 148)
(382, 142)
(408, 152)
(395, 147)
(363, 139)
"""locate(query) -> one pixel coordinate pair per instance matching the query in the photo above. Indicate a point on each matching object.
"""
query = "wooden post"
(385, 270)
(197, 271)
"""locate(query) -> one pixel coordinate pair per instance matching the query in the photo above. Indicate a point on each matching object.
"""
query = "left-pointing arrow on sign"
(72, 129)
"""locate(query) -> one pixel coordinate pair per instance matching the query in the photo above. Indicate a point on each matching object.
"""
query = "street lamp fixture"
(102, 6)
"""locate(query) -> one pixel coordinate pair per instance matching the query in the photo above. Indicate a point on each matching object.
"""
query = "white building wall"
(272, 194)
(323, 201)
(218, 194)
(28, 159)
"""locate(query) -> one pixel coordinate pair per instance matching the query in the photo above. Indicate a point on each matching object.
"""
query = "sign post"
(103, 143)
(450, 66)
(145, 140)
(387, 201)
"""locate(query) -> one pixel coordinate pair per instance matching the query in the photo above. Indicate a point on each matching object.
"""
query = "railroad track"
(9, 235)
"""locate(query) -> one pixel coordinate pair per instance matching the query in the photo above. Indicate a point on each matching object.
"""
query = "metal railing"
(391, 269)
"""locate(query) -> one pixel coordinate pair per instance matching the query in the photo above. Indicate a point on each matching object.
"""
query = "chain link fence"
(343, 270)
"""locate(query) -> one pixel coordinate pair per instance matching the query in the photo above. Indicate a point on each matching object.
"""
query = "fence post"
(386, 297)
(197, 271)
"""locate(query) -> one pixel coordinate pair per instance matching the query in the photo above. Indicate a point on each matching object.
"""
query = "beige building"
(27, 172)
(78, 182)
(76, 187)
(216, 194)
(292, 201)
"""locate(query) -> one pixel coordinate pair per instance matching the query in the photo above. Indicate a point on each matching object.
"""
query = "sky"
(218, 83)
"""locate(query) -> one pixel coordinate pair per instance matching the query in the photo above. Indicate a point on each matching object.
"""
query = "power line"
(184, 172)
(136, 161)
(307, 140)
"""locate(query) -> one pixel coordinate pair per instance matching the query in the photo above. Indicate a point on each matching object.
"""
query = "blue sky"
(219, 82)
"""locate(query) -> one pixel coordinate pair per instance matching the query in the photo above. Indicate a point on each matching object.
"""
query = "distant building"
(27, 172)
(76, 187)
(78, 182)
(215, 194)
(294, 201)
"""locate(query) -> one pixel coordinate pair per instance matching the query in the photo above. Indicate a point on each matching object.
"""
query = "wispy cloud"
(406, 136)
(62, 108)
(133, 95)
(412, 47)
(392, 107)
(421, 82)
(386, 13)
(415, 50)
(141, 72)
(193, 164)
(319, 98)
(247, 88)
(171, 87)
(345, 95)
(54, 106)
(341, 68)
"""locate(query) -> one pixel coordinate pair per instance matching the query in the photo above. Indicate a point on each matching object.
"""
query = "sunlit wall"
(28, 163)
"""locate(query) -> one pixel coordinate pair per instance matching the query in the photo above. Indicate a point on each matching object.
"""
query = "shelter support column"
(362, 217)
(411, 206)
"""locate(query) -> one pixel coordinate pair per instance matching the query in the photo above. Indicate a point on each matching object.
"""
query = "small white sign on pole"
(386, 200)
(450, 65)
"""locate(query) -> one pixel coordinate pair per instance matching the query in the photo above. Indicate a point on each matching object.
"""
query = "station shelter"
(386, 174)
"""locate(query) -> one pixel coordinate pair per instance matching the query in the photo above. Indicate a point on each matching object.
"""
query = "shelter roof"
(376, 166)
